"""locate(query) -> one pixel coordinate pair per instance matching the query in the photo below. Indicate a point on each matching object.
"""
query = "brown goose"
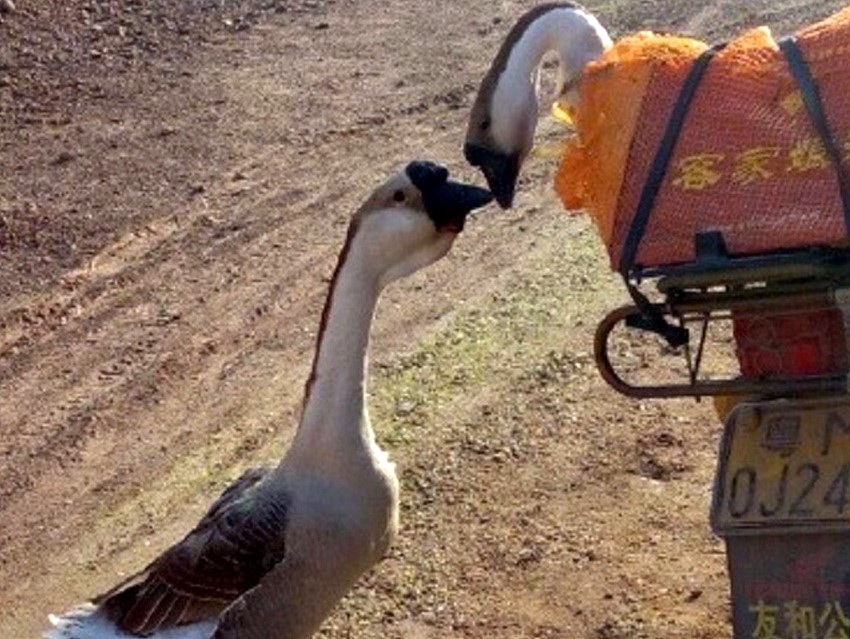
(282, 545)
(503, 119)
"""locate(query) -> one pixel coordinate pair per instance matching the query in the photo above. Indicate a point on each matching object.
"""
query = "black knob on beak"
(447, 202)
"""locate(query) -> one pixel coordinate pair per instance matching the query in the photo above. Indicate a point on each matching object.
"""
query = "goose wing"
(298, 594)
(236, 543)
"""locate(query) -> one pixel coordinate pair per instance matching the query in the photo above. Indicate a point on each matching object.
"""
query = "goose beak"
(446, 201)
(500, 170)
(450, 203)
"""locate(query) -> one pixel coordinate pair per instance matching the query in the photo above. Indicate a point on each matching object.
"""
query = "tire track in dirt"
(129, 317)
(724, 19)
(136, 260)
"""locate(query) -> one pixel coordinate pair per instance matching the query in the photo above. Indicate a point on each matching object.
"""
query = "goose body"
(500, 132)
(282, 545)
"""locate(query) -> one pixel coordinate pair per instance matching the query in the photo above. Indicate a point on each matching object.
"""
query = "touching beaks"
(500, 170)
(447, 202)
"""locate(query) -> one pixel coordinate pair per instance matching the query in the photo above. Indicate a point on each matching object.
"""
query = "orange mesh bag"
(747, 162)
(594, 163)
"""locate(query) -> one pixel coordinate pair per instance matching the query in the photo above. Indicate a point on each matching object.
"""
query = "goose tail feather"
(83, 622)
(89, 622)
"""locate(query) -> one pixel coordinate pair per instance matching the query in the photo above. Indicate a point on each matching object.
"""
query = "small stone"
(7, 6)
(428, 617)
(527, 556)
(208, 221)
(63, 158)
(405, 408)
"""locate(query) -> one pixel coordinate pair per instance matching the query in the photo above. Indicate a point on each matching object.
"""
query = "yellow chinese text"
(699, 172)
(753, 164)
(806, 155)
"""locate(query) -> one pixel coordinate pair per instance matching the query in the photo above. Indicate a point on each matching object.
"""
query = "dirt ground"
(176, 180)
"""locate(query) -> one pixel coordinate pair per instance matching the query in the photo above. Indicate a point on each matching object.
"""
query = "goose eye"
(398, 196)
(485, 124)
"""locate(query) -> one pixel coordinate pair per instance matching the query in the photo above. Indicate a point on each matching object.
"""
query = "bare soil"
(176, 181)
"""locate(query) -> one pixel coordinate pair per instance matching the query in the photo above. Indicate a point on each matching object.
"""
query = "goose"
(282, 545)
(503, 119)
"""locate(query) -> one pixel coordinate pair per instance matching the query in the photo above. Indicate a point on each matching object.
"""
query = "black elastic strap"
(652, 318)
(814, 107)
(658, 168)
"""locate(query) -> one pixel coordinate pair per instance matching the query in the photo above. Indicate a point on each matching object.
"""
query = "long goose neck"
(572, 33)
(334, 414)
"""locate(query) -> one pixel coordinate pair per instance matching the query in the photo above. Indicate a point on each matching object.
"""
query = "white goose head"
(501, 125)
(412, 220)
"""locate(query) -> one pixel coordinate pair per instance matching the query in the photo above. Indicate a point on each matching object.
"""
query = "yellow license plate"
(784, 464)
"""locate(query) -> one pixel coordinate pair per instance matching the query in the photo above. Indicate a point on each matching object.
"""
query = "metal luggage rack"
(712, 288)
